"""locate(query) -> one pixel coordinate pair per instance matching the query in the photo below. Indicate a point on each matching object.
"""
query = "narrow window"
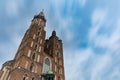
(38, 59)
(24, 78)
(36, 47)
(55, 59)
(31, 67)
(40, 28)
(29, 53)
(32, 78)
(38, 33)
(57, 45)
(41, 41)
(33, 57)
(26, 64)
(36, 69)
(58, 54)
(39, 49)
(34, 36)
(31, 44)
(55, 77)
(37, 39)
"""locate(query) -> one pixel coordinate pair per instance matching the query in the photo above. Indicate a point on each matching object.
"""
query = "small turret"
(54, 33)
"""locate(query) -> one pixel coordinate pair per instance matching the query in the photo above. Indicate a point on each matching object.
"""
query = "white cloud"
(100, 64)
(103, 40)
(108, 41)
(73, 62)
(98, 18)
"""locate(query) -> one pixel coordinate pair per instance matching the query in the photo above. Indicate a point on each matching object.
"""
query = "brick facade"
(36, 55)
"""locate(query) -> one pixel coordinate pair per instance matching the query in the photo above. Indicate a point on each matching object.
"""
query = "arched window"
(58, 53)
(32, 78)
(40, 28)
(47, 62)
(46, 65)
(38, 33)
(24, 78)
(33, 57)
(57, 45)
(35, 47)
(31, 67)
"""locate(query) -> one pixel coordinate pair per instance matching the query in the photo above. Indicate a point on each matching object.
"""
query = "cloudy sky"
(90, 30)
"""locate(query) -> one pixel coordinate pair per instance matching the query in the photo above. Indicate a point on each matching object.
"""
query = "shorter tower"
(54, 50)
(36, 56)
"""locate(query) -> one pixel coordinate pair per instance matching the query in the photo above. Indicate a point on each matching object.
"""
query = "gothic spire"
(41, 16)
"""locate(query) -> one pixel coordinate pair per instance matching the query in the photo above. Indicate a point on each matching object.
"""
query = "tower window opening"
(31, 68)
(40, 28)
(32, 78)
(36, 47)
(33, 57)
(37, 39)
(34, 36)
(57, 53)
(24, 78)
(58, 46)
(38, 33)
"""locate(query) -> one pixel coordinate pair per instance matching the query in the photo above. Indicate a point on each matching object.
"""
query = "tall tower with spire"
(36, 56)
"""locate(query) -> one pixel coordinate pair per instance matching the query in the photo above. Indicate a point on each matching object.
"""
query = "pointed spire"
(41, 15)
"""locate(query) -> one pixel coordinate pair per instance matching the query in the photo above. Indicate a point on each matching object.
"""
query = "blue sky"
(90, 30)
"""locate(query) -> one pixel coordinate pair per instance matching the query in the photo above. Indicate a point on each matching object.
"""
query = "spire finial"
(41, 15)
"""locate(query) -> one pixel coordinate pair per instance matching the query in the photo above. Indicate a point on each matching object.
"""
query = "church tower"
(36, 56)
